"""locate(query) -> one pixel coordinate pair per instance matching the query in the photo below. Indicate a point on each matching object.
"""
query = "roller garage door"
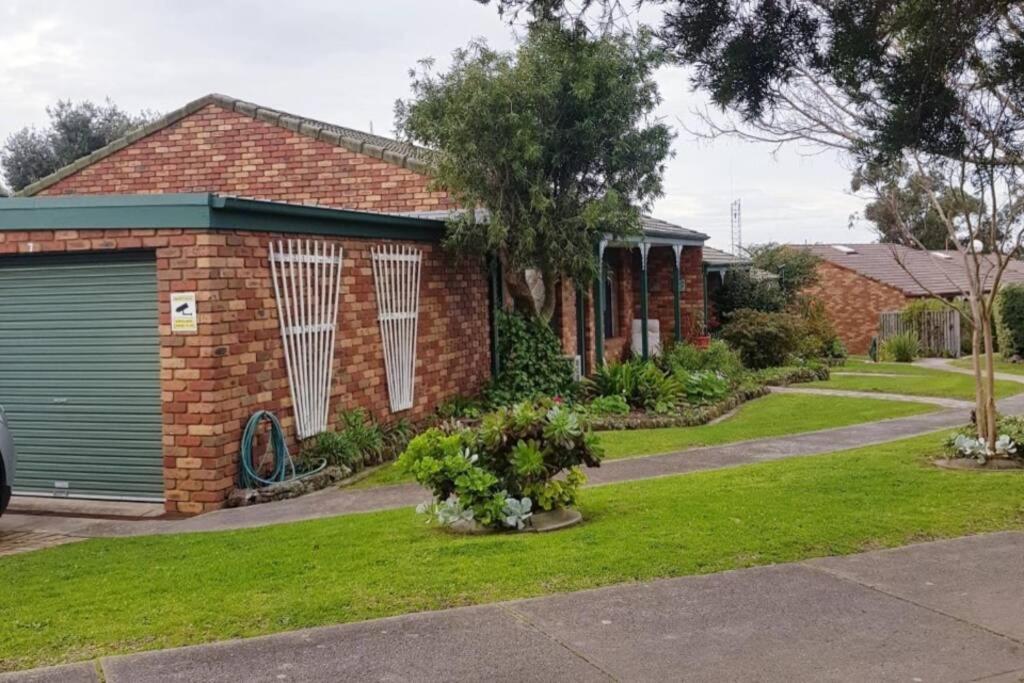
(80, 374)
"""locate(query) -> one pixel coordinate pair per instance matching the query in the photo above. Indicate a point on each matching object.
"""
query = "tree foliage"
(74, 131)
(554, 141)
(796, 269)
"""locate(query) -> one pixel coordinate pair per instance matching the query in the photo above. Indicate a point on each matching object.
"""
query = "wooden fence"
(937, 331)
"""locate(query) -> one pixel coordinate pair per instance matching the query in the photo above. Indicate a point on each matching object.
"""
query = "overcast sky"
(346, 62)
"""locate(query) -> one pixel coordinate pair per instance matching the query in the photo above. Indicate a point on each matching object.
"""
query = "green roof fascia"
(233, 213)
(204, 211)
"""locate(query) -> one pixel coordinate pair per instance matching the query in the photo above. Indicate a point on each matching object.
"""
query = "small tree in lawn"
(553, 140)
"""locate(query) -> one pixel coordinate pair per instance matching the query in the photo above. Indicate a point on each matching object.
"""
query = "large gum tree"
(555, 140)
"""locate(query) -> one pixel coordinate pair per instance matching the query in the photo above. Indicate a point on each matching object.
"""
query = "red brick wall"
(659, 287)
(216, 150)
(853, 303)
(212, 381)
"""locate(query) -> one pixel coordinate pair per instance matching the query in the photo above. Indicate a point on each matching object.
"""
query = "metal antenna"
(736, 225)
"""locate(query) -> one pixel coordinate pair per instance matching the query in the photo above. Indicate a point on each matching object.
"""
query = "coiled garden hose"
(283, 466)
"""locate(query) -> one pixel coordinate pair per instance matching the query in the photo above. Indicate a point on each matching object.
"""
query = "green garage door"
(80, 374)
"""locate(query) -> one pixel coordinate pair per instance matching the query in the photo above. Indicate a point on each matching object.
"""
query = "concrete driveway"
(943, 611)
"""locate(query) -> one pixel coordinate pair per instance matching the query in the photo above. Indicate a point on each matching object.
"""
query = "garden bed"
(693, 416)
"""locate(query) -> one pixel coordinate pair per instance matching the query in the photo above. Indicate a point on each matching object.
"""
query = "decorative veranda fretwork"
(307, 285)
(396, 274)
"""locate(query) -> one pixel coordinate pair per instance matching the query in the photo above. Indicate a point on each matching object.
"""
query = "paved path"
(935, 400)
(947, 365)
(942, 611)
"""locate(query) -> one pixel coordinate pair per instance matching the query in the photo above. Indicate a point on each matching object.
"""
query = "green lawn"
(121, 595)
(863, 365)
(919, 383)
(1001, 366)
(773, 415)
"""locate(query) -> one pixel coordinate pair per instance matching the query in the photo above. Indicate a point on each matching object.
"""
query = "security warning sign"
(183, 312)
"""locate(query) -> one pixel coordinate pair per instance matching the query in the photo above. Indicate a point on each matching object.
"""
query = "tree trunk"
(518, 289)
(547, 309)
(980, 422)
(990, 385)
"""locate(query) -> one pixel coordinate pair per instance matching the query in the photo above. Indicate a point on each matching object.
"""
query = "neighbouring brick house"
(109, 401)
(859, 282)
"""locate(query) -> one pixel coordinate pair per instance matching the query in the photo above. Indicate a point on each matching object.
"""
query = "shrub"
(718, 357)
(705, 386)
(640, 383)
(358, 442)
(603, 406)
(762, 339)
(818, 336)
(873, 350)
(741, 290)
(499, 473)
(460, 407)
(1009, 319)
(901, 348)
(530, 360)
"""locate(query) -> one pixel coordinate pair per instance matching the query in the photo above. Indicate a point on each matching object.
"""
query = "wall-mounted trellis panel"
(396, 274)
(307, 285)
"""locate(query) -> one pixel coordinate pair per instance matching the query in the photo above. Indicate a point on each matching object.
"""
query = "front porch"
(649, 293)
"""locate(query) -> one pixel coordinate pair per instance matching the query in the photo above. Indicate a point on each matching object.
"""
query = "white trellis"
(396, 274)
(307, 285)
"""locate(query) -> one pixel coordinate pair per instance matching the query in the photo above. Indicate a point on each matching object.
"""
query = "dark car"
(7, 461)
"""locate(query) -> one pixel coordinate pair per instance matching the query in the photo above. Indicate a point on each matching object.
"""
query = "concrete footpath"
(941, 611)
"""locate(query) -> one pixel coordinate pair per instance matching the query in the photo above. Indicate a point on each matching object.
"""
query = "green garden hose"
(284, 467)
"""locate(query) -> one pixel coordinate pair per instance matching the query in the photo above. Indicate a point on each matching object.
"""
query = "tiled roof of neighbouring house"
(719, 258)
(394, 151)
(937, 272)
(651, 226)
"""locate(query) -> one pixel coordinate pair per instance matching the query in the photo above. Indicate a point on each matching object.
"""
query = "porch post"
(599, 306)
(676, 288)
(495, 308)
(581, 330)
(645, 342)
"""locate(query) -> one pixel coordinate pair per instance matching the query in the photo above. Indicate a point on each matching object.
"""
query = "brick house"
(108, 399)
(859, 282)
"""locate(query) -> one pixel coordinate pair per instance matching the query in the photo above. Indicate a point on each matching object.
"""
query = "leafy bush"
(901, 348)
(530, 360)
(762, 339)
(718, 357)
(358, 442)
(497, 474)
(608, 405)
(963, 443)
(640, 383)
(818, 336)
(783, 376)
(335, 448)
(796, 268)
(1009, 320)
(741, 290)
(460, 407)
(705, 386)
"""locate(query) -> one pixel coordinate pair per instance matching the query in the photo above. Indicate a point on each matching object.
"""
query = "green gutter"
(204, 211)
